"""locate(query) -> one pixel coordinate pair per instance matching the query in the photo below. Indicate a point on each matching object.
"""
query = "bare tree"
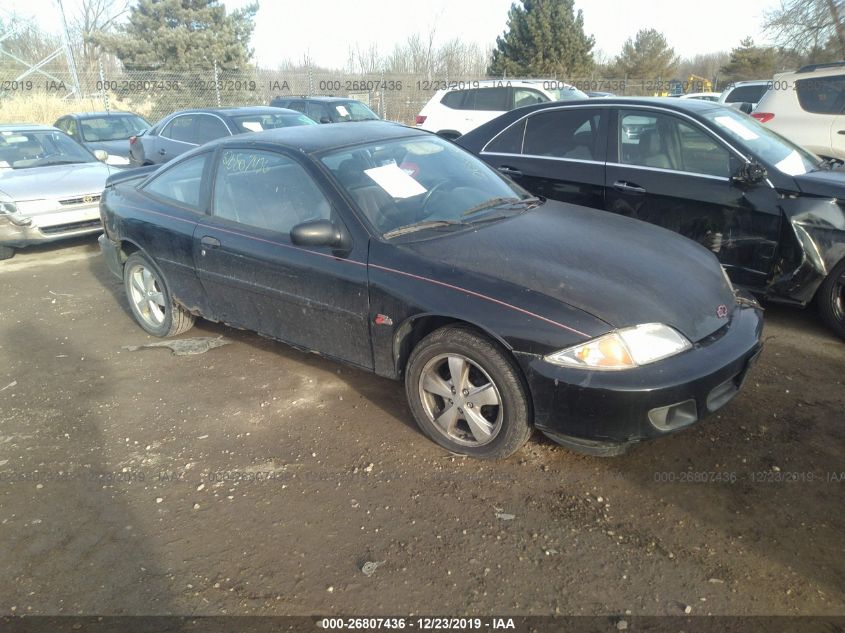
(92, 17)
(808, 26)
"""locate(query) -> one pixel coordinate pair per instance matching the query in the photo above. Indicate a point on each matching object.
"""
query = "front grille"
(86, 199)
(72, 226)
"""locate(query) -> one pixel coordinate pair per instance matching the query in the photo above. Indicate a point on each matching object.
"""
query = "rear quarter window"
(453, 99)
(822, 95)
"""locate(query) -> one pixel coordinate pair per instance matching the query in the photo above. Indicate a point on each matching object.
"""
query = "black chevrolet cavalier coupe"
(396, 251)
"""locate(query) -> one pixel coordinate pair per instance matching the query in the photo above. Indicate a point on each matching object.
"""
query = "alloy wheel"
(461, 400)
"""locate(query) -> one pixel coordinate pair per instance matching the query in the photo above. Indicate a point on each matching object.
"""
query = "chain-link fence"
(155, 94)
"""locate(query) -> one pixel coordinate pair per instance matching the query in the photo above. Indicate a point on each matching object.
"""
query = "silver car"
(50, 187)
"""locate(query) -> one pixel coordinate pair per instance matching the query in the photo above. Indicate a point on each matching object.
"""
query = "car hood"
(622, 271)
(829, 183)
(57, 181)
(119, 147)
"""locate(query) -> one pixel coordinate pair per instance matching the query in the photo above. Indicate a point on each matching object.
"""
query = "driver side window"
(663, 141)
(266, 190)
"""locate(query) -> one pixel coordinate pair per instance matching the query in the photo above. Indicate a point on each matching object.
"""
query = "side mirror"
(319, 233)
(325, 119)
(101, 154)
(750, 173)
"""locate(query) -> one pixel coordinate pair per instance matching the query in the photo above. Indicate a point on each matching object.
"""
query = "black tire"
(488, 361)
(174, 318)
(6, 252)
(831, 299)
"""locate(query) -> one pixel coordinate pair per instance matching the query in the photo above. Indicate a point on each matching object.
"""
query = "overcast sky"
(287, 29)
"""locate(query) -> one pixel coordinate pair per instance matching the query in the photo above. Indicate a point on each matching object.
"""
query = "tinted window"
(667, 142)
(527, 96)
(210, 128)
(181, 183)
(488, 99)
(509, 141)
(822, 95)
(180, 129)
(453, 99)
(570, 133)
(746, 94)
(315, 111)
(299, 106)
(266, 190)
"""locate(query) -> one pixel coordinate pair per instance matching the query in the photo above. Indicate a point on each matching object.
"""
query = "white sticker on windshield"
(255, 126)
(342, 110)
(737, 128)
(395, 182)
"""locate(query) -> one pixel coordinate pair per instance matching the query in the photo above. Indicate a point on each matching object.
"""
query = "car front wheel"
(831, 299)
(150, 299)
(467, 395)
(6, 252)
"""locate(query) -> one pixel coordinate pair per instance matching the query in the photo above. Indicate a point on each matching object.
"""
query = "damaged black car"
(397, 252)
(770, 211)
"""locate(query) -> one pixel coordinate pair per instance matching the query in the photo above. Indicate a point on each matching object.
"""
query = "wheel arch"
(417, 327)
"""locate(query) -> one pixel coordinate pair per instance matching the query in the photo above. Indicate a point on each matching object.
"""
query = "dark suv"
(327, 109)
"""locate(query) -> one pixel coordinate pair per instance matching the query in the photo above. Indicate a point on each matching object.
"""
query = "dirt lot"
(255, 479)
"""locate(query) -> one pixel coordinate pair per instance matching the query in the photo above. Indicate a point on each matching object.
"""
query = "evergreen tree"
(647, 56)
(750, 62)
(179, 35)
(543, 38)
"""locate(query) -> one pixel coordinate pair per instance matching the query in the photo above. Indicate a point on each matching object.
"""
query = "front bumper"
(111, 254)
(19, 231)
(604, 412)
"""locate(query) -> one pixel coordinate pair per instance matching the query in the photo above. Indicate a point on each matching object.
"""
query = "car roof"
(321, 98)
(98, 115)
(318, 138)
(27, 127)
(670, 103)
(233, 111)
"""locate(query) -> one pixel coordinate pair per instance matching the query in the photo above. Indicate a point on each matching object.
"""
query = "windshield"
(351, 111)
(111, 128)
(423, 182)
(765, 144)
(567, 93)
(259, 122)
(40, 148)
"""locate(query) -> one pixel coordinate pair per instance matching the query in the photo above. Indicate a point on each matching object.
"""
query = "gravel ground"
(255, 479)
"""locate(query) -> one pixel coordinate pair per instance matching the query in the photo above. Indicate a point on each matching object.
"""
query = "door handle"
(628, 187)
(210, 242)
(162, 152)
(510, 171)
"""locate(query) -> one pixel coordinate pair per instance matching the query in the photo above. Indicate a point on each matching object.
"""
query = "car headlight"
(623, 349)
(7, 208)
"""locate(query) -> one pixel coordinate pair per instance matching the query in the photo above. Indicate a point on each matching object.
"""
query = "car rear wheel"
(150, 299)
(467, 395)
(6, 252)
(831, 299)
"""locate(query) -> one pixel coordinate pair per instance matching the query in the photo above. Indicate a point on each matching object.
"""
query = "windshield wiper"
(419, 226)
(65, 161)
(493, 203)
